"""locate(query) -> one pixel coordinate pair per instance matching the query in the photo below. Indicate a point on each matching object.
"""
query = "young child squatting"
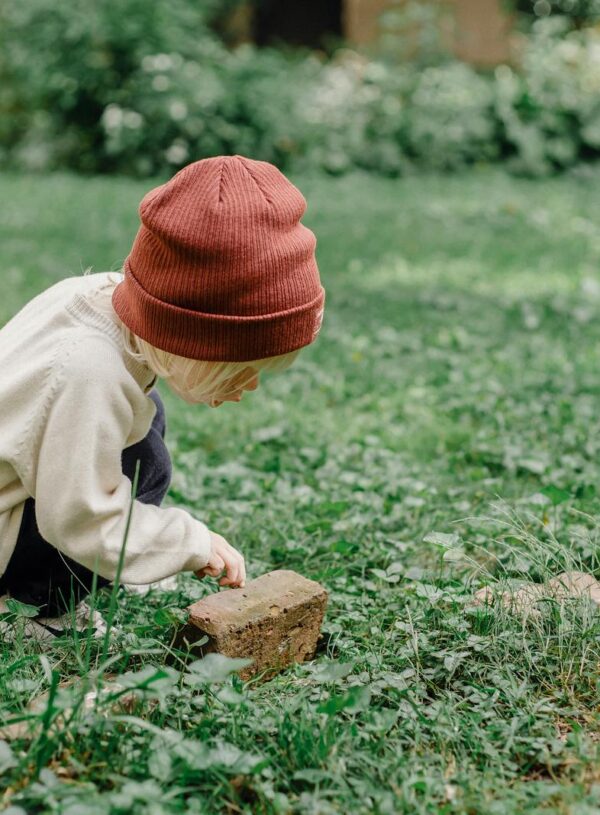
(220, 285)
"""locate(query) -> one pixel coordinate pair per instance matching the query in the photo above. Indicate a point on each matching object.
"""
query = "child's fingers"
(215, 566)
(224, 558)
(241, 569)
(235, 570)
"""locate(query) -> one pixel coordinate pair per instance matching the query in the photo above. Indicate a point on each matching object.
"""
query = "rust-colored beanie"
(221, 267)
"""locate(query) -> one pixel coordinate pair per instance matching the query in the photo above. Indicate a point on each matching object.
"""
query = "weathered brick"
(274, 620)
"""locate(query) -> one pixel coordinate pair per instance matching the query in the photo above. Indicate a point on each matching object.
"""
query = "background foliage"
(581, 12)
(144, 88)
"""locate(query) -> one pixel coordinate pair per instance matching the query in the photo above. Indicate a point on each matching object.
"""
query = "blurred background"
(389, 86)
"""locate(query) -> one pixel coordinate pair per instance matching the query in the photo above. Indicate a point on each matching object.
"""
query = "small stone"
(522, 600)
(525, 599)
(274, 620)
(575, 584)
(484, 596)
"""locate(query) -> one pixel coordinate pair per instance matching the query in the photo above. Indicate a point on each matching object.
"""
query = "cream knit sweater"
(71, 399)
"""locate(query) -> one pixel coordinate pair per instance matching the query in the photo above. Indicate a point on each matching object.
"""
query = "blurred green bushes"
(143, 88)
(581, 12)
(550, 110)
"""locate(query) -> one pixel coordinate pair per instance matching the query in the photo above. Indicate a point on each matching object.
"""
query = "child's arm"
(82, 496)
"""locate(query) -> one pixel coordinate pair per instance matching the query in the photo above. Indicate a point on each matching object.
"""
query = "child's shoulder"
(84, 283)
(94, 361)
(60, 294)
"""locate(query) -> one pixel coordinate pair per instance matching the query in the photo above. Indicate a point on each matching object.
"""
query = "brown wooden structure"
(476, 31)
(479, 32)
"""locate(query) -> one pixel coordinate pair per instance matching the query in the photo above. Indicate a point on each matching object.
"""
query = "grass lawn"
(455, 389)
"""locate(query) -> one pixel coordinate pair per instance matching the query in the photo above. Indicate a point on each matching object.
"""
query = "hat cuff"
(214, 337)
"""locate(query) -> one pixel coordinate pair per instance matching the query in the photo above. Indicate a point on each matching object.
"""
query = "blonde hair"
(200, 379)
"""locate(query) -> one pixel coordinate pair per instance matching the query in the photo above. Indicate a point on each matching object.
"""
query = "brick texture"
(274, 620)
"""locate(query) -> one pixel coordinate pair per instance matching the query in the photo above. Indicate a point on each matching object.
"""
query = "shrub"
(580, 12)
(174, 110)
(450, 117)
(385, 118)
(550, 110)
(64, 62)
(351, 114)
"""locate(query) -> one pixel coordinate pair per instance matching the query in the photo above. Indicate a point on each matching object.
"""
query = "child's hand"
(224, 557)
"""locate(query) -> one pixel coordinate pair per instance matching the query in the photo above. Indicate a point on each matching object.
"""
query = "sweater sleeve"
(82, 497)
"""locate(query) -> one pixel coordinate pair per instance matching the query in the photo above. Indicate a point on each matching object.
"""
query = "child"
(220, 285)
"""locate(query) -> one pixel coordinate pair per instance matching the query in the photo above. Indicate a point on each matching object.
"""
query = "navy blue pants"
(39, 574)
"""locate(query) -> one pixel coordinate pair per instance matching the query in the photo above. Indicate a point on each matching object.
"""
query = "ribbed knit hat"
(221, 267)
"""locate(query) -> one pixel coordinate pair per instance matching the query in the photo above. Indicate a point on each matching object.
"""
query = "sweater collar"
(81, 309)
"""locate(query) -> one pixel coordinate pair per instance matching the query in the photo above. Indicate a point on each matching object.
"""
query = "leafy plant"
(580, 12)
(550, 111)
